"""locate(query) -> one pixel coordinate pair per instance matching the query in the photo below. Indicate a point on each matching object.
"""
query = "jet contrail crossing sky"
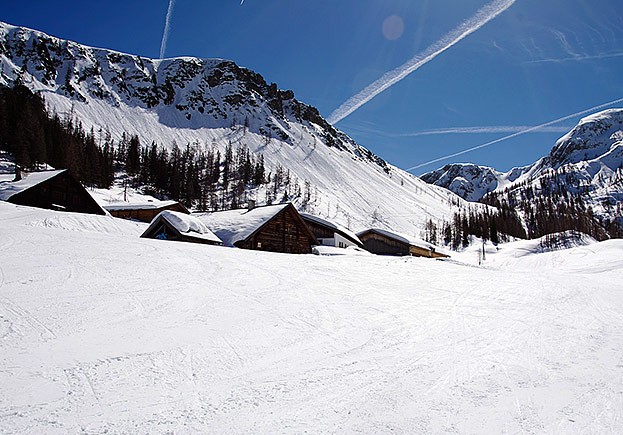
(519, 133)
(482, 17)
(167, 29)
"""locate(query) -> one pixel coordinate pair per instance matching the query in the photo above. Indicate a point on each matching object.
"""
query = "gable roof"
(335, 227)
(233, 226)
(186, 225)
(9, 188)
(403, 238)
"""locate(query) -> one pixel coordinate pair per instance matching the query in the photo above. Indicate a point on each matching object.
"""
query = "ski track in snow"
(108, 332)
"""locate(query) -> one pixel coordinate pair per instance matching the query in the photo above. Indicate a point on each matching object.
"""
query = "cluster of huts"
(274, 228)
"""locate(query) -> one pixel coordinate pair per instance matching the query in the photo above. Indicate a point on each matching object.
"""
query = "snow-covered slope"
(110, 333)
(587, 161)
(213, 102)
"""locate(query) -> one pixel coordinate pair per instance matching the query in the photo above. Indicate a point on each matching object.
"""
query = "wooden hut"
(330, 234)
(275, 228)
(53, 190)
(176, 226)
(144, 211)
(383, 242)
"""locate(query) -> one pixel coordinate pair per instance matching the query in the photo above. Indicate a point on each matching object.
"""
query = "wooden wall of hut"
(62, 192)
(382, 245)
(320, 231)
(285, 232)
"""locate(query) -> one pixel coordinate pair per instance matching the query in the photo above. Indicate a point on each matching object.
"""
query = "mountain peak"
(593, 137)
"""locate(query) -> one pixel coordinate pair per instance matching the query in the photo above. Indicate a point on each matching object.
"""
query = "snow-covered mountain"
(587, 161)
(470, 181)
(214, 102)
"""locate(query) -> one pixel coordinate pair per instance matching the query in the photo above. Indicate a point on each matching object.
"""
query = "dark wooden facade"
(162, 229)
(61, 192)
(382, 245)
(144, 213)
(418, 251)
(285, 232)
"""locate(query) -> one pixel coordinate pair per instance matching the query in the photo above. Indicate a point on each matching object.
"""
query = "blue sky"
(536, 62)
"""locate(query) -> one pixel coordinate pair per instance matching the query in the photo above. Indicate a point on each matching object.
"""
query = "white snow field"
(101, 331)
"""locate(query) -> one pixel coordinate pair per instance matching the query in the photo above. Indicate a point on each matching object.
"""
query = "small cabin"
(273, 228)
(331, 234)
(52, 190)
(383, 242)
(176, 226)
(144, 211)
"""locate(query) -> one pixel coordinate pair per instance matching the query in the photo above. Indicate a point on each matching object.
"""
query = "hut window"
(259, 244)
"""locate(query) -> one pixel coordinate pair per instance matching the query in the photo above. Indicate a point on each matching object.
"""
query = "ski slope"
(101, 331)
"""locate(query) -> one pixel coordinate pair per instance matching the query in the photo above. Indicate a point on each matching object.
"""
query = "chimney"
(18, 173)
(251, 205)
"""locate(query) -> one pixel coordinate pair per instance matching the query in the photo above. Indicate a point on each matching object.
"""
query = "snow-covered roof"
(232, 226)
(150, 205)
(338, 228)
(410, 240)
(185, 224)
(8, 187)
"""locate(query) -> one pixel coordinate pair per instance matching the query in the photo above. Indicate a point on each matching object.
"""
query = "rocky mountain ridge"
(587, 162)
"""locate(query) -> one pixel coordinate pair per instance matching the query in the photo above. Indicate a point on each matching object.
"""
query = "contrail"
(519, 133)
(167, 28)
(482, 130)
(482, 17)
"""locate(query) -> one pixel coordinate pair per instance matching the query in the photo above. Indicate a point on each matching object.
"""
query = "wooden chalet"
(144, 211)
(330, 234)
(176, 226)
(53, 190)
(274, 228)
(383, 242)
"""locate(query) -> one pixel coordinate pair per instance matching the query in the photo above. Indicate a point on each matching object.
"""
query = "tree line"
(34, 138)
(197, 176)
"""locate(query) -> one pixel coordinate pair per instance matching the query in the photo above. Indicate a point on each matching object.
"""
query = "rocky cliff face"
(469, 181)
(185, 92)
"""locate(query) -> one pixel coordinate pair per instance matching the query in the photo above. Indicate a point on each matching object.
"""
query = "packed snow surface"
(107, 332)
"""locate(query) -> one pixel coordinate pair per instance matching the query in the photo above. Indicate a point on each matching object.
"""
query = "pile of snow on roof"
(232, 226)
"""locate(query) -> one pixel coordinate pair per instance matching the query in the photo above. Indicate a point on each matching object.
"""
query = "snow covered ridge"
(185, 92)
(593, 138)
(588, 161)
(469, 181)
(213, 103)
